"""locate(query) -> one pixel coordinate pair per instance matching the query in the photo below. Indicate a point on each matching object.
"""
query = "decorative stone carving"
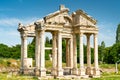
(39, 25)
(61, 25)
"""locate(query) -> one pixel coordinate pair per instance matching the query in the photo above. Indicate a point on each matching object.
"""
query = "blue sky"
(106, 12)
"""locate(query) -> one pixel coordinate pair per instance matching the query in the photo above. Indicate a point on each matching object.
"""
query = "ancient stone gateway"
(61, 25)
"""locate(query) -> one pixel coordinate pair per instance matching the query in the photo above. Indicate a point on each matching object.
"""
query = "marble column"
(74, 70)
(54, 53)
(71, 53)
(82, 69)
(22, 62)
(37, 53)
(37, 49)
(42, 53)
(23, 51)
(60, 70)
(96, 69)
(88, 70)
(67, 53)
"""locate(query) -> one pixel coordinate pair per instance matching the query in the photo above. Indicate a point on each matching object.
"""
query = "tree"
(118, 34)
(4, 51)
(102, 51)
(15, 51)
(114, 54)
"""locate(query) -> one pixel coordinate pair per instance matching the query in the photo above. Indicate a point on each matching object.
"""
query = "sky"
(12, 12)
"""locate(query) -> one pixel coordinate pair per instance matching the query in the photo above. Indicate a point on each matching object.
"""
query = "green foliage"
(63, 50)
(15, 52)
(4, 51)
(48, 52)
(31, 50)
(101, 51)
(118, 34)
(109, 54)
(114, 54)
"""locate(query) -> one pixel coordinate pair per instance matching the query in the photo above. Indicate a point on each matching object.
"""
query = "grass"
(9, 63)
(48, 65)
(9, 76)
(110, 76)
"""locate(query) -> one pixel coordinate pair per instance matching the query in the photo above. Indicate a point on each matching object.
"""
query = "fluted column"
(24, 47)
(23, 51)
(37, 53)
(22, 62)
(54, 54)
(75, 70)
(71, 53)
(37, 50)
(42, 53)
(96, 69)
(60, 70)
(88, 70)
(82, 70)
(67, 53)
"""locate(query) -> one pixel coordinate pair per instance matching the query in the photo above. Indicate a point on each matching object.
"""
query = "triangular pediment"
(82, 18)
(57, 17)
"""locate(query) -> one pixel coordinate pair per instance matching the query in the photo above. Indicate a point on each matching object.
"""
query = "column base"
(21, 71)
(37, 72)
(96, 72)
(60, 72)
(42, 72)
(54, 72)
(82, 72)
(27, 71)
(89, 71)
(74, 71)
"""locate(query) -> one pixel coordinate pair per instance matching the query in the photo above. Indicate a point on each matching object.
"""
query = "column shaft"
(88, 70)
(42, 54)
(82, 71)
(71, 53)
(37, 53)
(23, 50)
(75, 71)
(22, 57)
(95, 51)
(54, 54)
(60, 71)
(96, 69)
(67, 53)
(37, 50)
(25, 46)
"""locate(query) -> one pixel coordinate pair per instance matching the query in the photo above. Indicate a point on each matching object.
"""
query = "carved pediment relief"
(68, 20)
(82, 18)
(57, 17)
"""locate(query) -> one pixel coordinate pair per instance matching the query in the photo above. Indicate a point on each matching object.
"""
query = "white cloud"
(14, 21)
(107, 33)
(8, 30)
(9, 22)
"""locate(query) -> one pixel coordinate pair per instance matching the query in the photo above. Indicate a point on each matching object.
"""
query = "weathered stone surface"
(62, 25)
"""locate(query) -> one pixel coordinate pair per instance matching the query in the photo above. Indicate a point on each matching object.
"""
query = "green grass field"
(108, 77)
(5, 76)
(8, 76)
